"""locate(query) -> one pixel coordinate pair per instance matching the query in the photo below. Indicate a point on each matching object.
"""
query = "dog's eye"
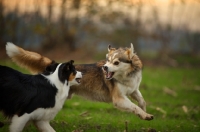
(116, 63)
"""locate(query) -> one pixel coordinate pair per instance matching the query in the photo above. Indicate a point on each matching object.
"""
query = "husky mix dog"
(36, 98)
(112, 80)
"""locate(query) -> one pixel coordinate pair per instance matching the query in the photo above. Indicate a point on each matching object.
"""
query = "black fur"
(65, 70)
(50, 68)
(22, 93)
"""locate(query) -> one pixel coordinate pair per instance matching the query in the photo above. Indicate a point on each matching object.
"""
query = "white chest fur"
(50, 113)
(129, 84)
(61, 95)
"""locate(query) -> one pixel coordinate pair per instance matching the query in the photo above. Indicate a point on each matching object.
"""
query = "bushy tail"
(32, 61)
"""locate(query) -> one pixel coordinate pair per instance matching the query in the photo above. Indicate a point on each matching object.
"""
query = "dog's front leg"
(123, 103)
(44, 126)
(138, 97)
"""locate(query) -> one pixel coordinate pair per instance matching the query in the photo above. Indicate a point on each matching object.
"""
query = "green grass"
(83, 115)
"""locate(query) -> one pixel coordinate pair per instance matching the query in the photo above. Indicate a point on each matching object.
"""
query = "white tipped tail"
(32, 61)
(11, 49)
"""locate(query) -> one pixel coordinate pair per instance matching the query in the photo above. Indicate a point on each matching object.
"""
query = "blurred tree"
(49, 40)
(137, 27)
(76, 4)
(74, 23)
(193, 40)
(59, 33)
(67, 35)
(2, 25)
(12, 25)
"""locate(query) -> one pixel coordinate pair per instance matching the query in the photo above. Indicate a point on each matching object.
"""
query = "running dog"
(111, 80)
(36, 98)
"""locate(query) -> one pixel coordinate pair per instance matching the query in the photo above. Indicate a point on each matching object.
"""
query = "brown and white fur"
(113, 80)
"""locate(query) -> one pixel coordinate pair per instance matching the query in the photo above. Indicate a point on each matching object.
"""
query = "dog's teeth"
(109, 74)
(78, 80)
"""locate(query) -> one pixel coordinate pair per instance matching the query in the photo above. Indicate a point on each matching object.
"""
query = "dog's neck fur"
(63, 88)
(127, 78)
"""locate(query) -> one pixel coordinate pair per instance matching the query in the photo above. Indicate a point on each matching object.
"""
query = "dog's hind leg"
(138, 97)
(18, 123)
(44, 126)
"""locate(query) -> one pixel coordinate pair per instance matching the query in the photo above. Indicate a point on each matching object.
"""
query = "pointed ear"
(130, 51)
(109, 48)
(71, 62)
(66, 66)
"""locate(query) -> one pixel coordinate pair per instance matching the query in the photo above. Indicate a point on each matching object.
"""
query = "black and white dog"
(36, 98)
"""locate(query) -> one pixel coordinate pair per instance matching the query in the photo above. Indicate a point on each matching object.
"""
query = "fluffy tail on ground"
(32, 61)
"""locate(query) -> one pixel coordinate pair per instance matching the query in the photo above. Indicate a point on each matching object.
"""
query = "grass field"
(172, 96)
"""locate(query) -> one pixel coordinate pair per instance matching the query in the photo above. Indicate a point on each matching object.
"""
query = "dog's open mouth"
(109, 75)
(78, 80)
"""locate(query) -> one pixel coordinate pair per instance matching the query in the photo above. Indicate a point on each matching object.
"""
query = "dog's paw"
(148, 117)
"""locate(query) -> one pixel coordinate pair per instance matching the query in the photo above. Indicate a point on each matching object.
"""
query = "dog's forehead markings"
(117, 55)
(113, 57)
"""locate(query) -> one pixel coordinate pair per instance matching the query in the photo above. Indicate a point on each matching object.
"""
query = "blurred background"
(165, 32)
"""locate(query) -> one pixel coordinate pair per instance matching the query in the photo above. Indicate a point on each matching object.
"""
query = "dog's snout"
(105, 68)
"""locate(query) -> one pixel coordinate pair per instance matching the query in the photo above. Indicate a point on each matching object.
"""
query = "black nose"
(105, 68)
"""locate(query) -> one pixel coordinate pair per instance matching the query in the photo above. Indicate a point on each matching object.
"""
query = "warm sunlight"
(173, 12)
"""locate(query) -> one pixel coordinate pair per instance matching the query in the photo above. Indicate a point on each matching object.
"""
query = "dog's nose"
(105, 68)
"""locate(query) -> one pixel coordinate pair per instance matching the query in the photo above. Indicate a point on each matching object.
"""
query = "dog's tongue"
(109, 74)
